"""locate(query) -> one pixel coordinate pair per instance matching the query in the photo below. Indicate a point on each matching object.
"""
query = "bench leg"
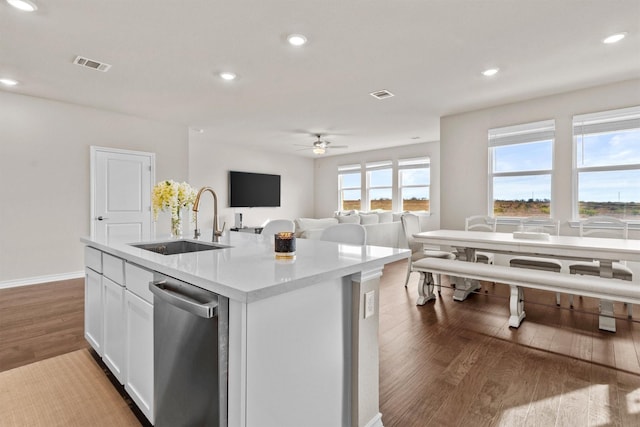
(606, 321)
(516, 306)
(425, 288)
(464, 287)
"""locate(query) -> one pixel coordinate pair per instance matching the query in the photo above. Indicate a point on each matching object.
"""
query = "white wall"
(326, 177)
(464, 152)
(44, 171)
(210, 162)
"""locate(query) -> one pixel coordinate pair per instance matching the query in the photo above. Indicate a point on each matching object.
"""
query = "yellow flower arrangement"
(173, 196)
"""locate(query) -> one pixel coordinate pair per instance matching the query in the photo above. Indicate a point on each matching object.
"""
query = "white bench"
(519, 278)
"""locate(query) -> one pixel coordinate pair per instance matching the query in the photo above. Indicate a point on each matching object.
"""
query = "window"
(350, 187)
(520, 165)
(380, 185)
(413, 183)
(607, 164)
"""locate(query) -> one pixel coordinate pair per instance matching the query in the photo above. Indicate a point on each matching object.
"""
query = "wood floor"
(459, 364)
(443, 364)
(41, 321)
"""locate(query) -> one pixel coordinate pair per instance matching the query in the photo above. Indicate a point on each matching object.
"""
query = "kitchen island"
(303, 345)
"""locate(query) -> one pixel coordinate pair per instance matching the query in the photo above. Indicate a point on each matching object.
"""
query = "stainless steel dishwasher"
(191, 336)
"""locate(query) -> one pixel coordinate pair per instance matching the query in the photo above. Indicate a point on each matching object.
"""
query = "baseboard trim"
(376, 421)
(41, 279)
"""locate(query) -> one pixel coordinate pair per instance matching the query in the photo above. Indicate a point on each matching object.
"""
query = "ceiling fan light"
(318, 150)
(24, 5)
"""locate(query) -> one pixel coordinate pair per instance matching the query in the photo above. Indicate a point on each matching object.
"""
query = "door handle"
(101, 218)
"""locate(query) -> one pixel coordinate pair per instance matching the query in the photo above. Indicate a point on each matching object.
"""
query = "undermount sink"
(175, 247)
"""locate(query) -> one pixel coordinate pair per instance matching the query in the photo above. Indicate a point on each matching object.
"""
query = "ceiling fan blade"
(306, 148)
(338, 146)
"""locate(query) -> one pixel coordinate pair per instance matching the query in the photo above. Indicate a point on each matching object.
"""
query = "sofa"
(383, 228)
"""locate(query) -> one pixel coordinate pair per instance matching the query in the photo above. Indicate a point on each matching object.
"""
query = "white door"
(121, 194)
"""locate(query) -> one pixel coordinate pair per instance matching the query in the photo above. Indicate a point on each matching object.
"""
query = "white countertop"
(248, 270)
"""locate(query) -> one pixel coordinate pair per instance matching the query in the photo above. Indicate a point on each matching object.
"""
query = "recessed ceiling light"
(227, 75)
(8, 82)
(296, 39)
(24, 5)
(490, 72)
(614, 38)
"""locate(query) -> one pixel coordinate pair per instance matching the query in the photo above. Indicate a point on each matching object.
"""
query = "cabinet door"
(93, 309)
(139, 353)
(114, 332)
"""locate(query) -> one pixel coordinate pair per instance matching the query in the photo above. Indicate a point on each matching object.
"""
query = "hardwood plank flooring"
(40, 321)
(443, 364)
(459, 364)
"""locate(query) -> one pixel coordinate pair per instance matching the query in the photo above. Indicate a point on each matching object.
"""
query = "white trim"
(376, 421)
(41, 279)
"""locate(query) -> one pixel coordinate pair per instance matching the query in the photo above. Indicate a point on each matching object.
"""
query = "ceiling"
(165, 56)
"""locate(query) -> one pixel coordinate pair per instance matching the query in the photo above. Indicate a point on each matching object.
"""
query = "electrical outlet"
(369, 304)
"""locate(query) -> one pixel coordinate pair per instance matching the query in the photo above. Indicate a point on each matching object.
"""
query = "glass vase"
(176, 226)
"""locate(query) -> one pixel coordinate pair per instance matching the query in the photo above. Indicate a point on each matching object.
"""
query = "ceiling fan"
(320, 146)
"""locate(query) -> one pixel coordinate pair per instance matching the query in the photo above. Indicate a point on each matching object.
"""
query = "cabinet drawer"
(113, 268)
(137, 281)
(93, 259)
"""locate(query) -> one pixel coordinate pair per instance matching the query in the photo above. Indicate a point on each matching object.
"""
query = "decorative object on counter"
(285, 245)
(173, 196)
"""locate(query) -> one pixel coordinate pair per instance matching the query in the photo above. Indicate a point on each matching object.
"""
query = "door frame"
(93, 150)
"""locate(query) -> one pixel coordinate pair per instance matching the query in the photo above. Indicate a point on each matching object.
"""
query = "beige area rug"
(68, 390)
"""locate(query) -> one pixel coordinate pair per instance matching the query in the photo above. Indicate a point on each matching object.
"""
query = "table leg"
(464, 287)
(425, 288)
(606, 321)
(516, 306)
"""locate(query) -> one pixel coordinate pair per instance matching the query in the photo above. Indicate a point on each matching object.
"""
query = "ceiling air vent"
(381, 94)
(90, 63)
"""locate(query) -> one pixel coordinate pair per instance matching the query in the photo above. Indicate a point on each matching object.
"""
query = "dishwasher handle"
(186, 297)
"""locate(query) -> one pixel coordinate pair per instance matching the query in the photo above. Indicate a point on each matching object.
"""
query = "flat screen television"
(252, 190)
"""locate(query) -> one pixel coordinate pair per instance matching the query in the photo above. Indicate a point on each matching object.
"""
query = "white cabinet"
(139, 352)
(114, 328)
(93, 309)
(119, 322)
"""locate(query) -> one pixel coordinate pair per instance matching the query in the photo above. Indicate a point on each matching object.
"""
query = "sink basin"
(174, 247)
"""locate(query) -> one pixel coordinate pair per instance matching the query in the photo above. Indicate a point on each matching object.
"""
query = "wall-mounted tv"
(252, 190)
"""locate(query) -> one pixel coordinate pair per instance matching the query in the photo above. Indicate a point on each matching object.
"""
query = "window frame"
(348, 170)
(601, 122)
(378, 166)
(413, 163)
(525, 133)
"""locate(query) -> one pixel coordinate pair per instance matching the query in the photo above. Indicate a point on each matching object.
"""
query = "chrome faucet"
(216, 233)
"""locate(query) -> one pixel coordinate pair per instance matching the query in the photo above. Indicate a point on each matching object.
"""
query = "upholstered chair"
(411, 226)
(540, 225)
(354, 234)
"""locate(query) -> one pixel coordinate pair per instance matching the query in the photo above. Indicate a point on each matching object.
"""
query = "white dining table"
(604, 250)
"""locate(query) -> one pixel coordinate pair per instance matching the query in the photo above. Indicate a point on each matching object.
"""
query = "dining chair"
(603, 227)
(481, 223)
(540, 225)
(349, 233)
(411, 226)
(277, 226)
